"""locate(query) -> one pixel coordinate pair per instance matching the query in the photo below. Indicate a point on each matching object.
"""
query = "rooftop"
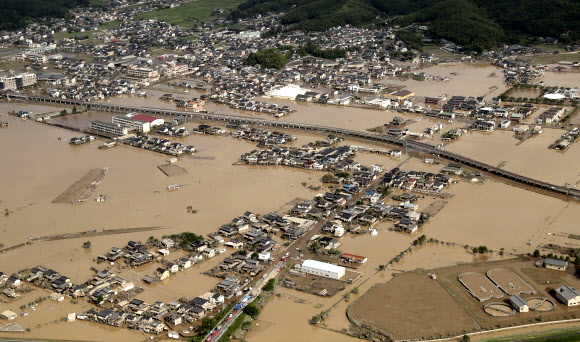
(568, 292)
(323, 266)
(556, 262)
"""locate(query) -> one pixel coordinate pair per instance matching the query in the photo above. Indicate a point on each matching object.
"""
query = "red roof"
(145, 118)
(353, 257)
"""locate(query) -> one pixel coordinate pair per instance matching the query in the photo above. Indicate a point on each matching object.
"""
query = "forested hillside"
(476, 24)
(17, 13)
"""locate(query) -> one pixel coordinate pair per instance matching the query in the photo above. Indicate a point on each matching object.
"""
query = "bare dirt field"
(448, 278)
(480, 286)
(172, 170)
(499, 310)
(509, 282)
(83, 188)
(317, 285)
(544, 276)
(412, 306)
(540, 304)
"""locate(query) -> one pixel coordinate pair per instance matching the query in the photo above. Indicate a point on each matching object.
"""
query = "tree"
(315, 247)
(536, 253)
(87, 244)
(74, 110)
(63, 112)
(382, 267)
(267, 58)
(466, 338)
(252, 310)
(315, 319)
(355, 290)
(328, 178)
(269, 285)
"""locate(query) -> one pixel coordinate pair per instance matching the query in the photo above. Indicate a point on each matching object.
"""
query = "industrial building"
(322, 269)
(288, 92)
(108, 128)
(568, 295)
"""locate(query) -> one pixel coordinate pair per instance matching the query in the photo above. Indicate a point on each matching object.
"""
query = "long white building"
(322, 269)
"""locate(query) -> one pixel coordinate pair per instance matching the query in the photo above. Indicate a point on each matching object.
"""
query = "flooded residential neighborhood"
(194, 171)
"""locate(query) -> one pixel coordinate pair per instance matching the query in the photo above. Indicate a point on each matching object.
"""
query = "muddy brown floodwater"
(37, 166)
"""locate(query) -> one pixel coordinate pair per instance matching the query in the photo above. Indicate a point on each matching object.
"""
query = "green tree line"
(18, 13)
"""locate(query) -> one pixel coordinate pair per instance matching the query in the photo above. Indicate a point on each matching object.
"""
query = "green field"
(556, 335)
(439, 53)
(159, 52)
(549, 58)
(190, 13)
(13, 65)
(109, 24)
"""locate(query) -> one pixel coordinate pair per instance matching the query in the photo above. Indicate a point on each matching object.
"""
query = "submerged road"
(370, 137)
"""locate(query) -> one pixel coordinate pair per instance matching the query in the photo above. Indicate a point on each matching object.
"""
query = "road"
(367, 136)
(294, 253)
(247, 299)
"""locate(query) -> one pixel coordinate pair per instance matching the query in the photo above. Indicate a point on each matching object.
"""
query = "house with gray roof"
(555, 264)
(519, 304)
(568, 295)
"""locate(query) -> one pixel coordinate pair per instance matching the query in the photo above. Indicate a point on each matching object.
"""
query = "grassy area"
(13, 65)
(97, 3)
(441, 54)
(63, 34)
(91, 34)
(190, 13)
(550, 47)
(109, 24)
(134, 6)
(542, 336)
(160, 52)
(548, 58)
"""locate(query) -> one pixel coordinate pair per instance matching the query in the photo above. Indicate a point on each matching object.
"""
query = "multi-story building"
(25, 80)
(131, 123)
(18, 81)
(8, 83)
(108, 128)
(143, 73)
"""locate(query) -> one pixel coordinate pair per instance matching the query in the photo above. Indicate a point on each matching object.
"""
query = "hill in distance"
(17, 13)
(476, 24)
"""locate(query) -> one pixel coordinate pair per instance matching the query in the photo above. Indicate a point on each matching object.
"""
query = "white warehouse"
(322, 269)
